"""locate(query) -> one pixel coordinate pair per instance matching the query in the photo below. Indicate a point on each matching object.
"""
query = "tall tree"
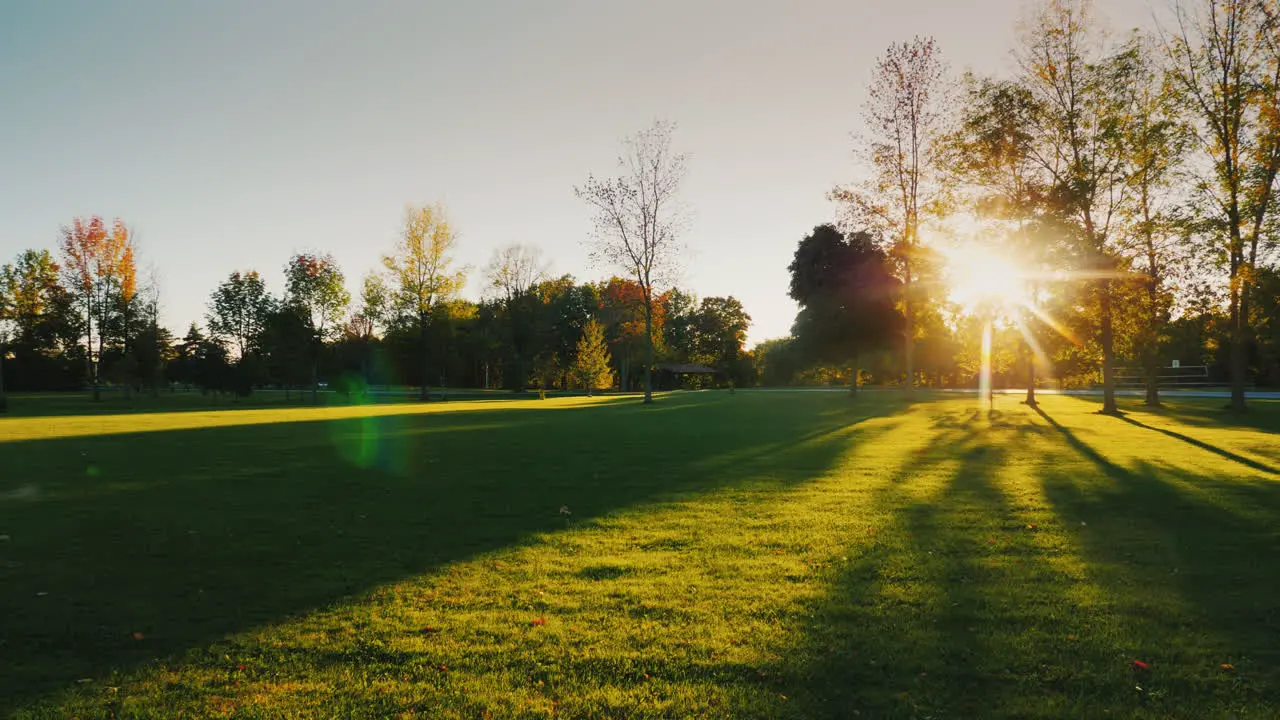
(1155, 138)
(99, 267)
(906, 119)
(238, 310)
(847, 297)
(637, 219)
(1079, 144)
(421, 273)
(1225, 63)
(315, 287)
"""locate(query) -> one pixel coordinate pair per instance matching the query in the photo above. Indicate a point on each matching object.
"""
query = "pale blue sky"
(231, 134)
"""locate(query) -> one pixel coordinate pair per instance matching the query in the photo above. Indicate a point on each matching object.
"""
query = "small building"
(674, 376)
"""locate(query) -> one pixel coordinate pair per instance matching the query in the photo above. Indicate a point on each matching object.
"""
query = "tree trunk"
(315, 380)
(909, 349)
(853, 379)
(1108, 352)
(96, 367)
(1239, 361)
(4, 398)
(424, 392)
(648, 352)
(1031, 376)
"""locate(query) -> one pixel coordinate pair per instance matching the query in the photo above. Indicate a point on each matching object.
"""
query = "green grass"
(713, 555)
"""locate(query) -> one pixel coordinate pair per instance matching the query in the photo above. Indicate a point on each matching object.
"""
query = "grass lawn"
(756, 555)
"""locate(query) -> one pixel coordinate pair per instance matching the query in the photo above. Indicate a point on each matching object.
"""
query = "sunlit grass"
(748, 555)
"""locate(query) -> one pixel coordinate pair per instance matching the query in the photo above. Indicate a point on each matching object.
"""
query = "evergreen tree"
(591, 369)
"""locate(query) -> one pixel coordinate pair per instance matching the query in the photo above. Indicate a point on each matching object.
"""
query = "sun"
(977, 277)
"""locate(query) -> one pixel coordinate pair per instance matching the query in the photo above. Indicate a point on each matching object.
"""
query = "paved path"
(1249, 394)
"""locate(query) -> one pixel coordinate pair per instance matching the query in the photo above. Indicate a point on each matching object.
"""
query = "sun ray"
(1049, 320)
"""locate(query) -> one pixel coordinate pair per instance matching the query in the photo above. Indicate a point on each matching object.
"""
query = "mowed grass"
(763, 555)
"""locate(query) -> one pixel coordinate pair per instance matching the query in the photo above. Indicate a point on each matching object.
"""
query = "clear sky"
(231, 134)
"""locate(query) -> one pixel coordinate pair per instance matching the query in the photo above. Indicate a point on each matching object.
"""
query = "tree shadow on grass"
(1248, 462)
(977, 600)
(1191, 556)
(1261, 414)
(136, 547)
(901, 632)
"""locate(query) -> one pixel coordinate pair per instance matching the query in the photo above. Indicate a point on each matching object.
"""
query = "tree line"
(80, 318)
(1129, 177)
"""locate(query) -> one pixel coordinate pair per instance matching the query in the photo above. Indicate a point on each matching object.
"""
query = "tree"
(315, 287)
(1155, 138)
(29, 294)
(99, 267)
(288, 344)
(238, 311)
(512, 274)
(637, 219)
(847, 297)
(721, 329)
(1080, 146)
(420, 273)
(680, 330)
(622, 312)
(591, 369)
(1225, 64)
(993, 152)
(906, 118)
(7, 314)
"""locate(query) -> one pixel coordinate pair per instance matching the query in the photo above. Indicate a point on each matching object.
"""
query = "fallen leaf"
(1139, 665)
(1227, 666)
(539, 621)
(137, 636)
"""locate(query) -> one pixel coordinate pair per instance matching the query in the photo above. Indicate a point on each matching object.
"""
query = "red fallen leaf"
(444, 668)
(539, 621)
(239, 667)
(1139, 665)
(137, 636)
(430, 629)
(1227, 666)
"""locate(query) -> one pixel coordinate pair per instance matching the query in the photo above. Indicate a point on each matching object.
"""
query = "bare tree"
(906, 118)
(514, 270)
(638, 218)
(1225, 62)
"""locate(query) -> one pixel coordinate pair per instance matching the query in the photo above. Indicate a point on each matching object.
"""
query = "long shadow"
(120, 550)
(1261, 414)
(1191, 570)
(900, 632)
(962, 605)
(1248, 462)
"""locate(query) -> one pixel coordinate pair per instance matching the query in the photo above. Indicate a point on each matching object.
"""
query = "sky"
(233, 134)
